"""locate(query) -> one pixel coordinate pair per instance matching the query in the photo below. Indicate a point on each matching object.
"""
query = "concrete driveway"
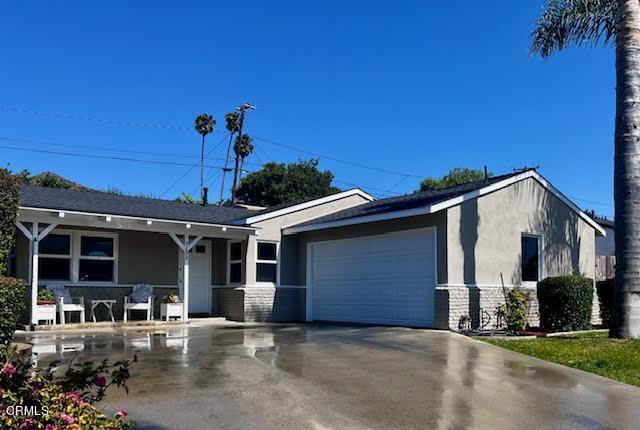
(235, 376)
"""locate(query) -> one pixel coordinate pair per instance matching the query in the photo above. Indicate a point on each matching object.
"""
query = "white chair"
(66, 302)
(141, 299)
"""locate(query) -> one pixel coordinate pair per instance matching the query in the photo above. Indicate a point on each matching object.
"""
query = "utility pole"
(242, 109)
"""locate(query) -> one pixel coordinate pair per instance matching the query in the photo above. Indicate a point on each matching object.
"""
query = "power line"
(351, 163)
(591, 202)
(98, 120)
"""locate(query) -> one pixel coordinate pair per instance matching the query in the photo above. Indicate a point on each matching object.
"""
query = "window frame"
(78, 246)
(75, 257)
(275, 262)
(230, 262)
(68, 256)
(540, 238)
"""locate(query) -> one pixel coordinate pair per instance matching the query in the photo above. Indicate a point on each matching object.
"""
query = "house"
(606, 251)
(428, 259)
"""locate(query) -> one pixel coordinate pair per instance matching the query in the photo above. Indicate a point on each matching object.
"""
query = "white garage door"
(386, 279)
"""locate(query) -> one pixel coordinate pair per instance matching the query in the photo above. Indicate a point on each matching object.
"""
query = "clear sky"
(412, 87)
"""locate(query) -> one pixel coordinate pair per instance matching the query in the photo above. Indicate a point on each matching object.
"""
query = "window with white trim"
(54, 263)
(234, 275)
(96, 260)
(267, 262)
(531, 262)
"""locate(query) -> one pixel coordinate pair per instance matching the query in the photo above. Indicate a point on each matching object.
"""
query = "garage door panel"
(387, 279)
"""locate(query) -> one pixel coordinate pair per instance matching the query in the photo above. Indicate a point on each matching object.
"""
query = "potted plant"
(171, 307)
(45, 297)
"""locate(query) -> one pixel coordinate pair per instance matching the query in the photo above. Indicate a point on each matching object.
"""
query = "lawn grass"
(593, 352)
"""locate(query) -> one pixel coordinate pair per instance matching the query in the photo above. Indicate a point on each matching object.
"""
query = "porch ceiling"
(121, 222)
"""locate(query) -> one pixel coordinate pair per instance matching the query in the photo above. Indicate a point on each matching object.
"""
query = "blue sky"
(410, 87)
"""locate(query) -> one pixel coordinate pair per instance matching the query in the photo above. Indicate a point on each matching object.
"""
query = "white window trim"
(75, 257)
(68, 256)
(229, 262)
(540, 237)
(276, 262)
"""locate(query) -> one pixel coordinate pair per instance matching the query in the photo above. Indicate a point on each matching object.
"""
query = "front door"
(199, 278)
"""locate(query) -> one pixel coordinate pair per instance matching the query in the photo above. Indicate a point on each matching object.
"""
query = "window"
(96, 259)
(530, 258)
(267, 262)
(235, 263)
(55, 257)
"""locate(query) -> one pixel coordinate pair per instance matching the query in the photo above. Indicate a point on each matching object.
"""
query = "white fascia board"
(307, 205)
(425, 210)
(145, 219)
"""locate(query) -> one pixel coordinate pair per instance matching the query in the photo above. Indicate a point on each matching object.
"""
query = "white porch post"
(185, 280)
(34, 273)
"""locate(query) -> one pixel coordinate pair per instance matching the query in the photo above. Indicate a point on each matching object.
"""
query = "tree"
(566, 23)
(204, 125)
(277, 183)
(9, 200)
(457, 176)
(242, 148)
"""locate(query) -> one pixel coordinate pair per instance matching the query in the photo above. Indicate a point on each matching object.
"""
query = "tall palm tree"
(233, 127)
(567, 23)
(204, 125)
(243, 148)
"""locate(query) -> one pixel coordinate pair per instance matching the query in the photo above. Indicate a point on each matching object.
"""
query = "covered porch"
(103, 257)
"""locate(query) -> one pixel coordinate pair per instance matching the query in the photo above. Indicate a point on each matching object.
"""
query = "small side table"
(46, 313)
(168, 310)
(107, 303)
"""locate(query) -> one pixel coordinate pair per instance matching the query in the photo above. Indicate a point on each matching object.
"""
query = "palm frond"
(565, 23)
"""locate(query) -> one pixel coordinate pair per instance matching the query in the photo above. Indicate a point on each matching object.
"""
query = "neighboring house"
(427, 259)
(606, 251)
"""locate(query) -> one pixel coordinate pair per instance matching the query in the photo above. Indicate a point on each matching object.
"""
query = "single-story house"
(606, 251)
(428, 259)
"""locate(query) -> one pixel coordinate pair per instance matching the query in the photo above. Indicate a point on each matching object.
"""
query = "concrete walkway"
(318, 377)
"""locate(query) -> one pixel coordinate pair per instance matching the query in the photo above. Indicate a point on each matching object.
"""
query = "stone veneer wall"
(479, 303)
(261, 304)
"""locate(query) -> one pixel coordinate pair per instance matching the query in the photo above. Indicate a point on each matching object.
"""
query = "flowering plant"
(38, 399)
(171, 298)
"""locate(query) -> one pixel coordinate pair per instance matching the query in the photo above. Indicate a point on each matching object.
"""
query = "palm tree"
(233, 127)
(204, 125)
(243, 148)
(567, 23)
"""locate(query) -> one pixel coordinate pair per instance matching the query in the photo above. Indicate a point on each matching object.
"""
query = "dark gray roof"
(114, 204)
(409, 201)
(604, 222)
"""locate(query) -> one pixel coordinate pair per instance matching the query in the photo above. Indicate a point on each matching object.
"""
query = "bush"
(12, 305)
(605, 299)
(9, 200)
(515, 309)
(565, 303)
(65, 402)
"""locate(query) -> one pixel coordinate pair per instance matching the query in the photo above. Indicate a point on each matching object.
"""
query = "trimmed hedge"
(12, 305)
(9, 200)
(605, 299)
(565, 303)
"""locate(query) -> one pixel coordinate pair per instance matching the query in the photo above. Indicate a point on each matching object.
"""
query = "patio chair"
(140, 299)
(66, 303)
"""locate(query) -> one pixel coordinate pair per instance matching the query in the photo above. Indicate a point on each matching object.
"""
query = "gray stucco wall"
(150, 258)
(484, 236)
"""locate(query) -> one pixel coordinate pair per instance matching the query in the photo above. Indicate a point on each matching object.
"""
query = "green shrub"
(565, 303)
(605, 299)
(60, 402)
(515, 309)
(12, 305)
(9, 200)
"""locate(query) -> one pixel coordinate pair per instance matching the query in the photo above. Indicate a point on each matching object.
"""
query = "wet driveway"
(326, 376)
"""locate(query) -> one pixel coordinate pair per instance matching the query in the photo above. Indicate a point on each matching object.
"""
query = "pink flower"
(121, 413)
(67, 419)
(51, 427)
(8, 369)
(29, 423)
(100, 381)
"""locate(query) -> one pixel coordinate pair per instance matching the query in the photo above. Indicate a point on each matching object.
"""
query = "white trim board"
(307, 205)
(425, 210)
